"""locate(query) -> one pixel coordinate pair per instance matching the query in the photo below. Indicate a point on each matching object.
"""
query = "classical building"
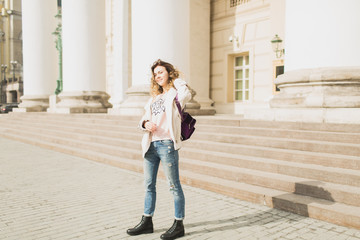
(294, 63)
(11, 84)
(222, 47)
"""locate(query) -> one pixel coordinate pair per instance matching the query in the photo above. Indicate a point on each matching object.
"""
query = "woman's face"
(161, 76)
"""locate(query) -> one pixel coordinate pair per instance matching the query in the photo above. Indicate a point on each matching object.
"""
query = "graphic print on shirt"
(158, 107)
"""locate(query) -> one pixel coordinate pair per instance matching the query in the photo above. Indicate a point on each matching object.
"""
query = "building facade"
(11, 62)
(222, 47)
(242, 60)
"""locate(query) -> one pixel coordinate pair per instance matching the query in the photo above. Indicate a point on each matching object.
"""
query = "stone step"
(124, 149)
(302, 181)
(230, 121)
(73, 116)
(233, 148)
(118, 132)
(234, 121)
(282, 133)
(273, 142)
(105, 120)
(131, 149)
(121, 148)
(330, 160)
(282, 143)
(337, 213)
(93, 154)
(67, 130)
(323, 159)
(323, 190)
(78, 122)
(310, 171)
(327, 127)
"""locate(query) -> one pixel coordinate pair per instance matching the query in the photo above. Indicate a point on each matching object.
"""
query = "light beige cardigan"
(172, 114)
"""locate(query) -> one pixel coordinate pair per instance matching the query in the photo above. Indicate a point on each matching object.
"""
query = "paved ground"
(50, 195)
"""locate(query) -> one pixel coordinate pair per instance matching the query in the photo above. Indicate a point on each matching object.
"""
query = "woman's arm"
(184, 94)
(146, 117)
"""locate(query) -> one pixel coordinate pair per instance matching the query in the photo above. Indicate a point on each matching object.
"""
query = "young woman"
(161, 142)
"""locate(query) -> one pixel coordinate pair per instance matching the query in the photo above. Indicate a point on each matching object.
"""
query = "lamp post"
(2, 39)
(276, 43)
(58, 42)
(1, 87)
(3, 70)
(14, 64)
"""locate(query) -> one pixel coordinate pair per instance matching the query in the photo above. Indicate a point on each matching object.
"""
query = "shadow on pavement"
(259, 218)
(306, 193)
(287, 202)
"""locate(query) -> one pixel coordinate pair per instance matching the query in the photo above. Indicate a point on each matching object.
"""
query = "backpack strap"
(179, 107)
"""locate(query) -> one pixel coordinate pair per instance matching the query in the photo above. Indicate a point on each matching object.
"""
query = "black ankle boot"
(176, 231)
(145, 226)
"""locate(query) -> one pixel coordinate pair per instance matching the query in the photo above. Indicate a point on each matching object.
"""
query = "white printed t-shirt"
(158, 116)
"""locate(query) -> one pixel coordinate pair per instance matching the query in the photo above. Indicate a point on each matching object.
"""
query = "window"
(278, 69)
(234, 3)
(241, 78)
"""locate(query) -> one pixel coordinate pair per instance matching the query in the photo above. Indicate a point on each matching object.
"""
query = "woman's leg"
(151, 166)
(170, 161)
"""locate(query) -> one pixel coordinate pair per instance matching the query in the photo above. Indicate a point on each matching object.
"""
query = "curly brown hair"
(155, 88)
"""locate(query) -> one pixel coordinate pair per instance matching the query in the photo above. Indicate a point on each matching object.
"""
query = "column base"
(53, 100)
(195, 108)
(135, 102)
(82, 102)
(203, 112)
(337, 87)
(317, 115)
(207, 107)
(33, 103)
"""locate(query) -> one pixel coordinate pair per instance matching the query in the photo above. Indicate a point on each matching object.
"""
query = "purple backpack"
(187, 122)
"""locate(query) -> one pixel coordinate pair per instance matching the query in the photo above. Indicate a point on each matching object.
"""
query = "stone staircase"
(311, 169)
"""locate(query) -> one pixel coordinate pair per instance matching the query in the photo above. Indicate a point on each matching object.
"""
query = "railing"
(234, 3)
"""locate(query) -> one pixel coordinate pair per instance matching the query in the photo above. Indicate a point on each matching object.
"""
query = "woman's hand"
(151, 127)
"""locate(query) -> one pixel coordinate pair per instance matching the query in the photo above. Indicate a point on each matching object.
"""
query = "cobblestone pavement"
(49, 195)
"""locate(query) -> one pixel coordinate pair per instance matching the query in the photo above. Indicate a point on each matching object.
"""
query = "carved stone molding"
(319, 88)
(83, 102)
(33, 103)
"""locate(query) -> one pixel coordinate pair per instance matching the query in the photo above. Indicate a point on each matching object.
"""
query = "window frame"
(276, 64)
(234, 3)
(245, 81)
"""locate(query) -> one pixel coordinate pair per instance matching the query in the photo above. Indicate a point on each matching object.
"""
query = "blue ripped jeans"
(163, 151)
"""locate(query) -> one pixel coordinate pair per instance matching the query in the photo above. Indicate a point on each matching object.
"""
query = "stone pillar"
(199, 56)
(118, 48)
(321, 82)
(84, 84)
(40, 66)
(162, 29)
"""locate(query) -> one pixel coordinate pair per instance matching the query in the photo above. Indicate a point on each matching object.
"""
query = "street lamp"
(14, 64)
(276, 43)
(58, 42)
(3, 70)
(2, 39)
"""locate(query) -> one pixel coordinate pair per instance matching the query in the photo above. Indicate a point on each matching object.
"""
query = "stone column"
(84, 84)
(199, 55)
(321, 82)
(39, 54)
(118, 47)
(162, 29)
